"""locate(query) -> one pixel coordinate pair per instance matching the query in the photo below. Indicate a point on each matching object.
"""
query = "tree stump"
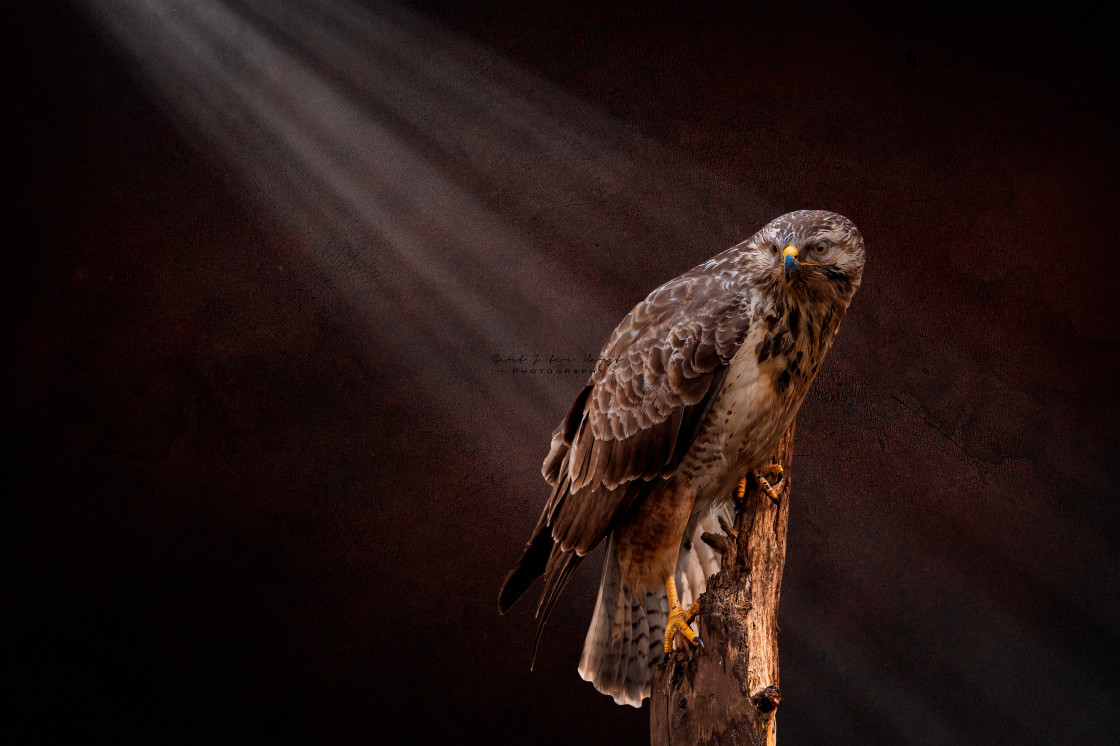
(728, 692)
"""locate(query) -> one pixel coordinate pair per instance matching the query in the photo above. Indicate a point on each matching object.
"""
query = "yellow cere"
(791, 250)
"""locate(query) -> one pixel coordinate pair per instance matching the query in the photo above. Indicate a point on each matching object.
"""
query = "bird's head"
(813, 253)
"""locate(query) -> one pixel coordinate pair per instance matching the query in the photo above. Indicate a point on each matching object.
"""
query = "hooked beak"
(792, 263)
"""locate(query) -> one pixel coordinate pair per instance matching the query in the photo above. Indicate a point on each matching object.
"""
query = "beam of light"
(419, 165)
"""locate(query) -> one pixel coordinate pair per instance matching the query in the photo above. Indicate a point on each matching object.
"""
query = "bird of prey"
(703, 378)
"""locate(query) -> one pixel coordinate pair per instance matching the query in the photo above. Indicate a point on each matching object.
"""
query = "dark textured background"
(268, 478)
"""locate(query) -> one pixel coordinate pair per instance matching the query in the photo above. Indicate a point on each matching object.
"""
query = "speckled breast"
(765, 386)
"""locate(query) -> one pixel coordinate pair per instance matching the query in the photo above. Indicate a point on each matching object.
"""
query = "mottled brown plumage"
(705, 375)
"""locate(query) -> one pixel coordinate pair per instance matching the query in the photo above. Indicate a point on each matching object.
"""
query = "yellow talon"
(763, 476)
(679, 619)
(774, 471)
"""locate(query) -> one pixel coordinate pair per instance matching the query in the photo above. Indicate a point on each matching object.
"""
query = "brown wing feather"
(632, 424)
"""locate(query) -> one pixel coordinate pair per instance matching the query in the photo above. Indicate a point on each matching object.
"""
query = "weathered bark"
(728, 692)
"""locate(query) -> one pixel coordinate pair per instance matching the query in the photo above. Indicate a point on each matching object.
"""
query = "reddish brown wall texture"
(270, 272)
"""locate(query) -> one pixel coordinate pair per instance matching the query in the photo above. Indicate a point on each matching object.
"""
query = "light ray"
(417, 164)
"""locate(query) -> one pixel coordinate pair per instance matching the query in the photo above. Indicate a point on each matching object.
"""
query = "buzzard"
(704, 376)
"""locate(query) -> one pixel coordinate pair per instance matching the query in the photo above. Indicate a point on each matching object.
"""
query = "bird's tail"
(625, 642)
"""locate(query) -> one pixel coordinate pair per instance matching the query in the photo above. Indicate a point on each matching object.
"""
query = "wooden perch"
(728, 693)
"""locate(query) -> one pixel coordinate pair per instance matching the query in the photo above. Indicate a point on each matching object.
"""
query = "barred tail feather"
(624, 642)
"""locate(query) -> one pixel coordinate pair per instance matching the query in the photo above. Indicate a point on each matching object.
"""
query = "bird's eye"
(773, 249)
(819, 248)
